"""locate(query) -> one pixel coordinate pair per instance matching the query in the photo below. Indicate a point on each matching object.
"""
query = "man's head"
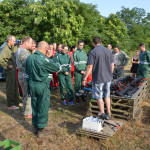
(54, 46)
(33, 48)
(59, 47)
(116, 49)
(80, 44)
(64, 49)
(27, 42)
(142, 47)
(51, 47)
(97, 41)
(43, 47)
(73, 48)
(109, 46)
(11, 40)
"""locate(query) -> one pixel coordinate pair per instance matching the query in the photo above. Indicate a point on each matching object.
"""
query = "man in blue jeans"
(100, 63)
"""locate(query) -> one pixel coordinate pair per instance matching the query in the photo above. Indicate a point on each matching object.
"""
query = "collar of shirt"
(39, 53)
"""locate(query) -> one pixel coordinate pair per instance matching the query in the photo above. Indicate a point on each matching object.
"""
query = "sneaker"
(77, 100)
(103, 116)
(28, 116)
(64, 102)
(71, 103)
(13, 107)
(43, 133)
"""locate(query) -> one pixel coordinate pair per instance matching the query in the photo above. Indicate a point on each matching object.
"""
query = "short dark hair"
(97, 40)
(64, 46)
(51, 44)
(25, 39)
(109, 44)
(73, 47)
(141, 44)
(117, 47)
(59, 44)
(80, 41)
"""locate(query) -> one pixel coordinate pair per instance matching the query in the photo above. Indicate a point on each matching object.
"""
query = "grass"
(63, 122)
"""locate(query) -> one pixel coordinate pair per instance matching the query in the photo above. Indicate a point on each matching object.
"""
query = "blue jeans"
(101, 90)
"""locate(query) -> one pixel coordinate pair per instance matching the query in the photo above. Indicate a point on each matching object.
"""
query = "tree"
(113, 30)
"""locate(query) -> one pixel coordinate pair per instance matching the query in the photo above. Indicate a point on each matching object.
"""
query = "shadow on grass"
(2, 138)
(146, 115)
(56, 104)
(17, 115)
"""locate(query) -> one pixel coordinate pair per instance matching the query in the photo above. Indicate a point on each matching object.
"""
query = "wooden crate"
(107, 132)
(124, 107)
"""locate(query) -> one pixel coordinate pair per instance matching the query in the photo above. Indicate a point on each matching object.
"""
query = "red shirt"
(54, 52)
(71, 55)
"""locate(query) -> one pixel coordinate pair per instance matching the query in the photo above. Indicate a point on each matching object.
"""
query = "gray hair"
(10, 37)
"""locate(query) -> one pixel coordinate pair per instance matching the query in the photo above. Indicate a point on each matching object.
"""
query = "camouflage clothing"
(21, 56)
(120, 60)
(7, 57)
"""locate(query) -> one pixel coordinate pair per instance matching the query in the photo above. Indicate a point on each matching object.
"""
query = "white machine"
(92, 124)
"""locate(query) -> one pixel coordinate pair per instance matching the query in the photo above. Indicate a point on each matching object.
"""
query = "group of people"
(43, 66)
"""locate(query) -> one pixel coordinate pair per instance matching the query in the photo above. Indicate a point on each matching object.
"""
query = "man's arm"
(126, 58)
(88, 71)
(112, 67)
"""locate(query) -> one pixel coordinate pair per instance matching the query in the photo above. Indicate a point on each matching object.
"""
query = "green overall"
(80, 64)
(65, 80)
(143, 67)
(38, 72)
(7, 57)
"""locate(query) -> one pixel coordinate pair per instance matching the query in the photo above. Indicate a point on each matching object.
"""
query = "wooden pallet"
(107, 132)
(124, 107)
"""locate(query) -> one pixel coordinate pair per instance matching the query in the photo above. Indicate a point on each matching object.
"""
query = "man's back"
(101, 59)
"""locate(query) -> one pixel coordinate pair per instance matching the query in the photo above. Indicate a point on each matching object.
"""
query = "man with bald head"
(39, 71)
(7, 61)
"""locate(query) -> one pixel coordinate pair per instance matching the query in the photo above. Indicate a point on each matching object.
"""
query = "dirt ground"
(63, 122)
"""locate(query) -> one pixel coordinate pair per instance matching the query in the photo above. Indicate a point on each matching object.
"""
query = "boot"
(83, 99)
(35, 129)
(42, 132)
(77, 100)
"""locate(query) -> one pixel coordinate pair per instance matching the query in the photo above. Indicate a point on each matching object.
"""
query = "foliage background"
(67, 21)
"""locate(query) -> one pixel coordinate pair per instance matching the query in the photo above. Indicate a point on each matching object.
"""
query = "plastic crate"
(10, 145)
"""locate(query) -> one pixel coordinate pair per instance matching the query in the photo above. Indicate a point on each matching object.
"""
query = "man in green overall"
(39, 71)
(7, 61)
(80, 61)
(65, 78)
(143, 68)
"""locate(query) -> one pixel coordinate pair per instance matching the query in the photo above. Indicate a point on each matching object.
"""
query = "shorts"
(101, 90)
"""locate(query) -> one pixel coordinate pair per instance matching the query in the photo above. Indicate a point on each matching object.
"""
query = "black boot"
(77, 99)
(83, 99)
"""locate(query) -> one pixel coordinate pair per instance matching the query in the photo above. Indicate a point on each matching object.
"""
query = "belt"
(145, 63)
(80, 62)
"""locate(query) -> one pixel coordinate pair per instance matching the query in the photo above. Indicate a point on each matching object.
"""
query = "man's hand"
(83, 72)
(11, 66)
(84, 83)
(49, 53)
(66, 73)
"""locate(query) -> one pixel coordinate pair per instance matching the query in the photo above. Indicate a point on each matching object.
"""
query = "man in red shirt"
(73, 48)
(54, 82)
